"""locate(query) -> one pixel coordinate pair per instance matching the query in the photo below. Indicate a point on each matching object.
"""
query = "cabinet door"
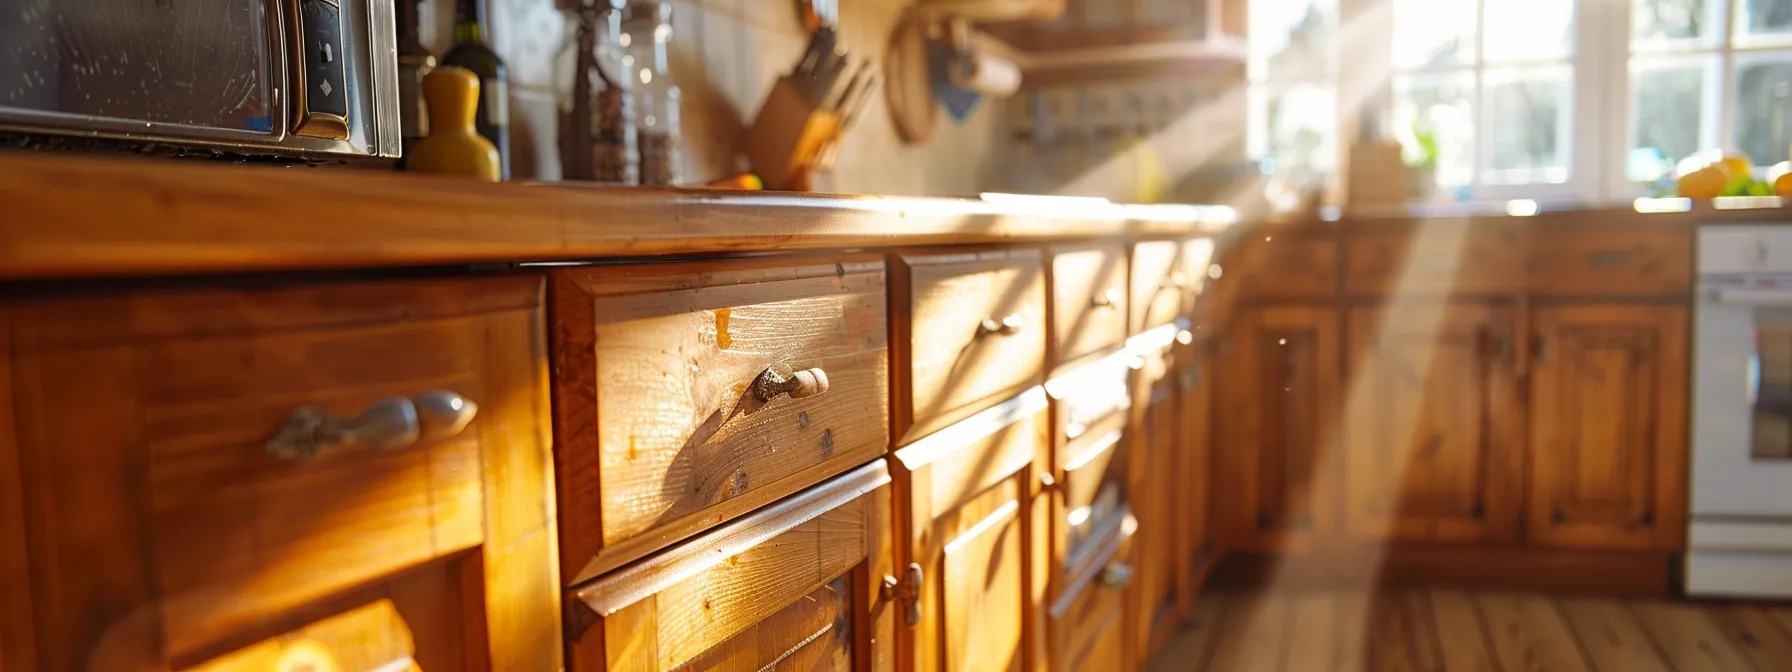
(969, 593)
(1160, 515)
(1608, 426)
(1281, 379)
(1432, 435)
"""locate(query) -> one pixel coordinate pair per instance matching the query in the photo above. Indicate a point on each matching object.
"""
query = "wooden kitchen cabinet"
(1280, 367)
(328, 475)
(1088, 617)
(1608, 426)
(1158, 471)
(1433, 433)
(969, 592)
(796, 585)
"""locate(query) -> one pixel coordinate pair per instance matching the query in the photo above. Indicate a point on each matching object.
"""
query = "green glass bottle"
(470, 51)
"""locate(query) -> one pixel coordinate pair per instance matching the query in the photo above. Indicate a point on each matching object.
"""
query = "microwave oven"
(305, 79)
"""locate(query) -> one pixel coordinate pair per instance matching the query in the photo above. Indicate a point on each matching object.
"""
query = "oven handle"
(1752, 297)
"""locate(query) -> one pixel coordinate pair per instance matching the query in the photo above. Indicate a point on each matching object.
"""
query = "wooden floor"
(1455, 630)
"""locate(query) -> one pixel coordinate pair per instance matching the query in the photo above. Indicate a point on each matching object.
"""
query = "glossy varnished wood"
(791, 584)
(1453, 630)
(1089, 300)
(660, 432)
(161, 531)
(1608, 426)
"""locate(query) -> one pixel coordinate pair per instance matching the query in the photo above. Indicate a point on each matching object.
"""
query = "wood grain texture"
(1608, 426)
(954, 367)
(167, 217)
(171, 399)
(983, 595)
(1453, 630)
(371, 637)
(1283, 266)
(1156, 475)
(1611, 260)
(18, 634)
(661, 435)
(1087, 624)
(1436, 259)
(1158, 276)
(1431, 451)
(739, 600)
(1089, 300)
(1276, 425)
(1494, 566)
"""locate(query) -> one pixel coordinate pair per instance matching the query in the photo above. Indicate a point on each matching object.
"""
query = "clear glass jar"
(646, 34)
(597, 102)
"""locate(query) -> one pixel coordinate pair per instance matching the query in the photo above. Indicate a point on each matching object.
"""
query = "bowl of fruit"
(1717, 174)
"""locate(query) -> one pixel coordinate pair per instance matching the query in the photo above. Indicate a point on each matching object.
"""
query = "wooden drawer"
(975, 334)
(1088, 616)
(670, 421)
(797, 585)
(204, 466)
(1270, 266)
(1088, 300)
(968, 499)
(1436, 259)
(1166, 277)
(1610, 260)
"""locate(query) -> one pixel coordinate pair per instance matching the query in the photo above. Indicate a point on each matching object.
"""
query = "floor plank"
(1255, 635)
(1527, 633)
(1313, 624)
(1461, 636)
(1756, 633)
(1612, 639)
(1401, 637)
(1691, 642)
(1354, 606)
(1191, 646)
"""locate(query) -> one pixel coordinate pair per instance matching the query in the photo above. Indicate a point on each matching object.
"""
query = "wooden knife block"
(786, 137)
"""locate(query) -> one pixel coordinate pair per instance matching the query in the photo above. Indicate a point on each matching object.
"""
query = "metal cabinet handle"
(777, 381)
(1116, 575)
(1006, 326)
(387, 424)
(911, 596)
(1107, 299)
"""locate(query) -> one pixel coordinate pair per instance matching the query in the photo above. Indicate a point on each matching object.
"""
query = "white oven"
(1740, 541)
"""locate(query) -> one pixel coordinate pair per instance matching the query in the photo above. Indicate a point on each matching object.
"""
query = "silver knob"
(1006, 326)
(387, 424)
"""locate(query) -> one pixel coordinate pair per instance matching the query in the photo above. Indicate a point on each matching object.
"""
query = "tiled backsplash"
(726, 54)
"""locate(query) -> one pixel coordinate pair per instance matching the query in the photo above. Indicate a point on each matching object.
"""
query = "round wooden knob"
(774, 383)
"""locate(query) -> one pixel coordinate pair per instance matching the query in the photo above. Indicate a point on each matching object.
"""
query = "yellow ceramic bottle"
(453, 147)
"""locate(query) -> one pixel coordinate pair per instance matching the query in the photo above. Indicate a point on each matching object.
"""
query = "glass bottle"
(646, 35)
(470, 51)
(597, 116)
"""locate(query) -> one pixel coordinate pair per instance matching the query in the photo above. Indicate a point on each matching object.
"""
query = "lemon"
(1738, 166)
(1707, 182)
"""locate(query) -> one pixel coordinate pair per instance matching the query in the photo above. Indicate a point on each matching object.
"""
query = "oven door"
(1742, 404)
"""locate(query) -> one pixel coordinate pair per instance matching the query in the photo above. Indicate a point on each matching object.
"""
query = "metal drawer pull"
(388, 424)
(1116, 576)
(1007, 326)
(1107, 299)
(774, 382)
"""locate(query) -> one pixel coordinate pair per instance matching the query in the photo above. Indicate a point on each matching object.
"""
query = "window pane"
(1763, 94)
(1434, 33)
(1763, 20)
(1295, 127)
(1674, 23)
(1668, 99)
(1292, 40)
(1529, 118)
(1434, 118)
(1529, 30)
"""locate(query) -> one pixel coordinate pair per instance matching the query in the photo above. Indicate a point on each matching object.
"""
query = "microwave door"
(1742, 404)
(194, 68)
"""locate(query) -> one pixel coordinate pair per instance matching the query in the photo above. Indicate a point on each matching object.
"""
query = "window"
(1484, 90)
(1706, 74)
(1293, 84)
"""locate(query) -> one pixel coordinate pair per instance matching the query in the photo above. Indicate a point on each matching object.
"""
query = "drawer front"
(1269, 266)
(955, 465)
(1435, 259)
(1088, 300)
(1612, 260)
(1087, 618)
(792, 586)
(216, 459)
(976, 333)
(671, 414)
(1160, 281)
(1094, 490)
(1090, 399)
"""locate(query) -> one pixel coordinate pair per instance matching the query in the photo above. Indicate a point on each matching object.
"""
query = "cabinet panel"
(1280, 373)
(1088, 300)
(1433, 449)
(1088, 616)
(1160, 518)
(974, 335)
(982, 592)
(789, 584)
(1608, 426)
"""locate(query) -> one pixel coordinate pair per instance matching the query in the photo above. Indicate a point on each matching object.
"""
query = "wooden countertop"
(68, 216)
(64, 216)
